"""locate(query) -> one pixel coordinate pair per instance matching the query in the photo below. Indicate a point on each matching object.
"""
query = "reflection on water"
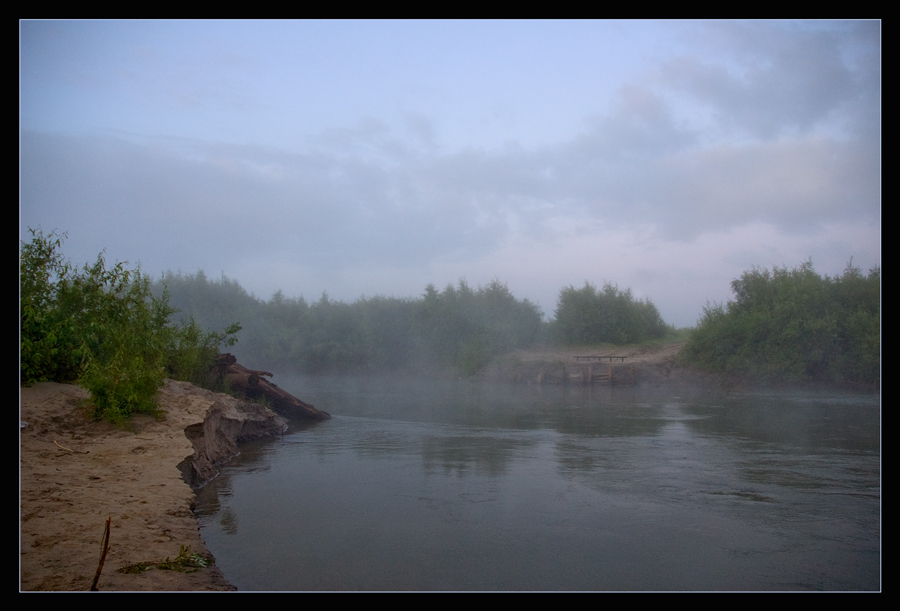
(424, 485)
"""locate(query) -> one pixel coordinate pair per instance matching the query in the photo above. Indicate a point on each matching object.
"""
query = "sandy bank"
(654, 365)
(73, 473)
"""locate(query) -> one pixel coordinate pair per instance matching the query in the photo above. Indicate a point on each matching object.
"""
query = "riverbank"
(653, 364)
(643, 364)
(74, 473)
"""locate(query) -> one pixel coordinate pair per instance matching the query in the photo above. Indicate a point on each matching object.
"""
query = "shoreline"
(74, 473)
(642, 364)
(650, 365)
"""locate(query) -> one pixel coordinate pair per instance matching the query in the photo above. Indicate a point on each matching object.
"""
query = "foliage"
(104, 329)
(591, 316)
(459, 327)
(794, 325)
(46, 343)
(465, 327)
(124, 337)
(201, 304)
(185, 562)
(192, 351)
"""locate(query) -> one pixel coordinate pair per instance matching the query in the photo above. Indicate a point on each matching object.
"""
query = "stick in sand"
(105, 546)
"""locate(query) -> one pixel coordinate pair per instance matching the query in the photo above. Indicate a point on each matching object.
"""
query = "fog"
(375, 158)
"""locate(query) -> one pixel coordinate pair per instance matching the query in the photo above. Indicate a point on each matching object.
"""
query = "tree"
(589, 316)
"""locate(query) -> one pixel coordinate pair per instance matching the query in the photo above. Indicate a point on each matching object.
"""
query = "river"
(467, 485)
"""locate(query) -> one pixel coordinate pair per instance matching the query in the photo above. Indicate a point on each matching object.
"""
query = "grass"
(185, 562)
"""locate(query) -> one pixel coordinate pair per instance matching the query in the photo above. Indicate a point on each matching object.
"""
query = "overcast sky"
(374, 158)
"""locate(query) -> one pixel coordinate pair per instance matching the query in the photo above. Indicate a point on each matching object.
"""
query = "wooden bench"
(600, 357)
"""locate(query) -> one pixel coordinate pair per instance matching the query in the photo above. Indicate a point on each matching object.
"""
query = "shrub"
(794, 325)
(47, 349)
(193, 351)
(125, 339)
(104, 329)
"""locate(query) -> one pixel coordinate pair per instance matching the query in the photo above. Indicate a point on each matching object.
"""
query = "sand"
(74, 473)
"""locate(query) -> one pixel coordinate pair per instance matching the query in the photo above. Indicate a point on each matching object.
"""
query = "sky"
(364, 158)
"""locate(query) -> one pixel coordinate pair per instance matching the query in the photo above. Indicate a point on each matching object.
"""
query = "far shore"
(650, 363)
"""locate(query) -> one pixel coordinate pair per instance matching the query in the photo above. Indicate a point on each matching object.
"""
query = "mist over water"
(463, 485)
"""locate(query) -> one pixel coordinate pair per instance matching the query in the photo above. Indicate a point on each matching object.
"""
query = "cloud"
(750, 125)
(633, 167)
(768, 79)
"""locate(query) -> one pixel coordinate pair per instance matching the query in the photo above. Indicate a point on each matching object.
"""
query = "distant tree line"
(795, 325)
(459, 328)
(119, 334)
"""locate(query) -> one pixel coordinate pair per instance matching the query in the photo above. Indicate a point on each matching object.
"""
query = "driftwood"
(253, 385)
(239, 379)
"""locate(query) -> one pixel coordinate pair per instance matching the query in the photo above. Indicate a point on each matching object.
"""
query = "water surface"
(425, 485)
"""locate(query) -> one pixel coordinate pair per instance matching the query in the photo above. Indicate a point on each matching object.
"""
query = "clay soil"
(74, 473)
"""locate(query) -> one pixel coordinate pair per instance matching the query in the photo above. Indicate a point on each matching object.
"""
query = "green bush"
(193, 351)
(125, 338)
(103, 329)
(794, 325)
(48, 347)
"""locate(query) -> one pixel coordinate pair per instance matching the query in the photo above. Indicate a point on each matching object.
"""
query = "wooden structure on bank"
(252, 384)
(590, 375)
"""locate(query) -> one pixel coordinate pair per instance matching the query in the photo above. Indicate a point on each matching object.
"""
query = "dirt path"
(73, 473)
